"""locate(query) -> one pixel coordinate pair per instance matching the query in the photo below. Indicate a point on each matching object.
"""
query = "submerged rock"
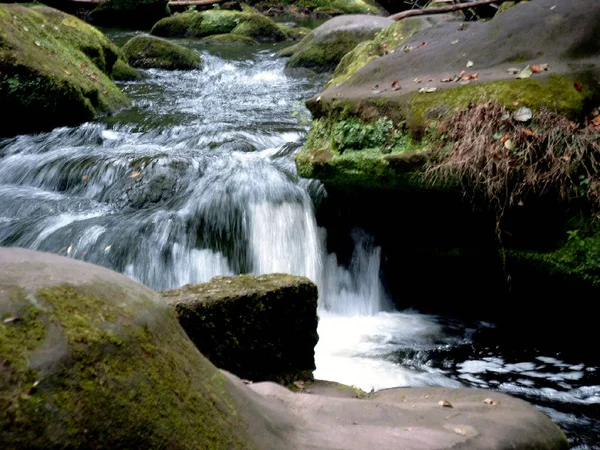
(323, 48)
(151, 52)
(54, 70)
(227, 39)
(258, 327)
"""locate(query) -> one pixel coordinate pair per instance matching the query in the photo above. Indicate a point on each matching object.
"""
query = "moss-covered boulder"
(227, 39)
(208, 23)
(54, 70)
(526, 57)
(129, 13)
(151, 52)
(323, 48)
(91, 359)
(258, 327)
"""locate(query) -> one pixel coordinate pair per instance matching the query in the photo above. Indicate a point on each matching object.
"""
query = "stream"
(197, 179)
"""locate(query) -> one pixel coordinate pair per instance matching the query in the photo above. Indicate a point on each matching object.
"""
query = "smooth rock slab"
(412, 419)
(258, 327)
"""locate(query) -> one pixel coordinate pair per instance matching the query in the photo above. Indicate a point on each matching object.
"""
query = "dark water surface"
(197, 179)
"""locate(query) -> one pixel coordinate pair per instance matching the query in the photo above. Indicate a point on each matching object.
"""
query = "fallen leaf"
(417, 80)
(489, 401)
(83, 65)
(427, 90)
(528, 132)
(536, 69)
(37, 43)
(509, 144)
(67, 72)
(469, 64)
(462, 74)
(513, 70)
(578, 86)
(447, 80)
(135, 175)
(461, 431)
(596, 121)
(375, 91)
(12, 319)
(26, 29)
(422, 44)
(445, 404)
(407, 48)
(525, 73)
(454, 42)
(523, 114)
(395, 85)
(516, 103)
(395, 33)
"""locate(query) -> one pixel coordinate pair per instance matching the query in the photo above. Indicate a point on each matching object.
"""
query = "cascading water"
(197, 179)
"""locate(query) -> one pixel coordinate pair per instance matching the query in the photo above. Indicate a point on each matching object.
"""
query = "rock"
(129, 13)
(151, 52)
(258, 327)
(411, 418)
(294, 33)
(227, 39)
(91, 359)
(208, 23)
(323, 48)
(54, 70)
(378, 106)
(124, 72)
(99, 361)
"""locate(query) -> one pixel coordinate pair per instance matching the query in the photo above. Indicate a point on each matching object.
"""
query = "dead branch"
(442, 10)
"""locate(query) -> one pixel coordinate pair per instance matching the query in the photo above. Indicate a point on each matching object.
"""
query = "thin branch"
(442, 10)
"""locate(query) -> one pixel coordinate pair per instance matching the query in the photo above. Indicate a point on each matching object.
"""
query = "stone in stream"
(257, 327)
(323, 48)
(149, 52)
(92, 359)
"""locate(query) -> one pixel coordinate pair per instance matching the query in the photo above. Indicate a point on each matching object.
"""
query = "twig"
(442, 10)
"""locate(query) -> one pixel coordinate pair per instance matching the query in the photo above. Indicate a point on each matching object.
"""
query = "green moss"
(578, 259)
(353, 7)
(227, 39)
(257, 327)
(196, 24)
(258, 27)
(124, 72)
(288, 51)
(152, 52)
(54, 69)
(108, 373)
(328, 11)
(294, 33)
(385, 42)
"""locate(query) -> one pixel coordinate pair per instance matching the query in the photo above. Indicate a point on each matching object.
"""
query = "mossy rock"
(353, 6)
(323, 48)
(92, 359)
(54, 70)
(151, 52)
(414, 91)
(257, 327)
(227, 39)
(124, 72)
(258, 27)
(129, 13)
(208, 23)
(327, 12)
(385, 42)
(294, 33)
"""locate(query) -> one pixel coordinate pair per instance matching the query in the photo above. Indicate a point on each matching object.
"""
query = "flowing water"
(197, 179)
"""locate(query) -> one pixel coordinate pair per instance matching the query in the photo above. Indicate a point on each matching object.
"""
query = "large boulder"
(208, 23)
(54, 70)
(323, 48)
(91, 359)
(129, 13)
(258, 327)
(391, 106)
(148, 52)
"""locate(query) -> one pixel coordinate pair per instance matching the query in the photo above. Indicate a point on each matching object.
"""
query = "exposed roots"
(511, 162)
